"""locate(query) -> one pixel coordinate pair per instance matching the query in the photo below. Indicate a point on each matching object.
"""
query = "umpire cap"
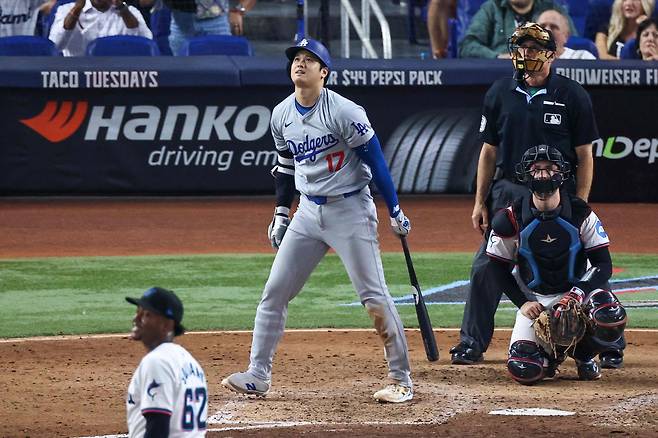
(163, 302)
(313, 46)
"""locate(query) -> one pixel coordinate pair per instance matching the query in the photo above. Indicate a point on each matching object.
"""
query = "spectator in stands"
(626, 16)
(486, 36)
(438, 13)
(647, 35)
(77, 24)
(558, 24)
(190, 18)
(19, 17)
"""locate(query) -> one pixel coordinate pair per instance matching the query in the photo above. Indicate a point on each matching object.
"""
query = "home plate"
(537, 412)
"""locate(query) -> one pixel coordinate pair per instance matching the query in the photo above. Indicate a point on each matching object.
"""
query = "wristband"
(239, 9)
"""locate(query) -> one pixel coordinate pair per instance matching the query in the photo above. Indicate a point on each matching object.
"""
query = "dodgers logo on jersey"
(361, 128)
(599, 229)
(310, 148)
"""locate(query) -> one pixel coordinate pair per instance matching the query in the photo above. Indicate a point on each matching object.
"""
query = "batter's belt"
(321, 200)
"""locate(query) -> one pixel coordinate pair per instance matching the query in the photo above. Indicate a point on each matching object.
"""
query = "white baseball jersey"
(592, 236)
(321, 142)
(169, 381)
(19, 17)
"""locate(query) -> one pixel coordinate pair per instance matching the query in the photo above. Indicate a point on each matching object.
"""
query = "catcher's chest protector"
(551, 256)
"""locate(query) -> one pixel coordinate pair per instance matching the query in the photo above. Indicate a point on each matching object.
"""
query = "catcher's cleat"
(246, 383)
(464, 354)
(588, 370)
(612, 359)
(394, 393)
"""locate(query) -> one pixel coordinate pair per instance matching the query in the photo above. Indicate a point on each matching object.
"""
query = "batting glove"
(278, 226)
(400, 223)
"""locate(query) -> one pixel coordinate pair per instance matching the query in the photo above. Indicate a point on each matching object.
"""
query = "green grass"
(86, 294)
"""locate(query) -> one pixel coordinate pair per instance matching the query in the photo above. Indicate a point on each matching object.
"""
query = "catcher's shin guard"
(526, 362)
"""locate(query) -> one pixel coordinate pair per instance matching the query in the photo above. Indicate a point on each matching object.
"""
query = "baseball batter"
(168, 394)
(329, 152)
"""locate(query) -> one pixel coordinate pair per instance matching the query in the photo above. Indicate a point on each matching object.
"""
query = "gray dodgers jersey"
(321, 142)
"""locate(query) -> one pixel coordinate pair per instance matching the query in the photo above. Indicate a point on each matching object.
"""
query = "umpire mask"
(527, 174)
(538, 49)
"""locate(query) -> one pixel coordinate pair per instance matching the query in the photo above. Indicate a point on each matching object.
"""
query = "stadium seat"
(580, 43)
(123, 45)
(217, 45)
(577, 10)
(160, 25)
(27, 45)
(629, 51)
(598, 14)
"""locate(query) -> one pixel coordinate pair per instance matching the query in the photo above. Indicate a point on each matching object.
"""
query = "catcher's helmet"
(607, 314)
(530, 32)
(313, 46)
(542, 186)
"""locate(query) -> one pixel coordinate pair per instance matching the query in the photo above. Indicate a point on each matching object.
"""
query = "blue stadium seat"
(160, 26)
(598, 14)
(27, 45)
(217, 45)
(578, 10)
(629, 51)
(453, 40)
(123, 45)
(580, 43)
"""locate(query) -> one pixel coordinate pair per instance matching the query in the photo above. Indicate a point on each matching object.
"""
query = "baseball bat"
(429, 341)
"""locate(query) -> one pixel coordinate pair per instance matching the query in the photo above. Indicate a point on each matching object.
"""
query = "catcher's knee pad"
(607, 315)
(526, 362)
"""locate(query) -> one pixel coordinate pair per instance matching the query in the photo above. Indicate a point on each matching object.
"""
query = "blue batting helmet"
(313, 46)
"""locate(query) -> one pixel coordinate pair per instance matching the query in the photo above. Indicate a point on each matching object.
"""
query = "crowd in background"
(583, 29)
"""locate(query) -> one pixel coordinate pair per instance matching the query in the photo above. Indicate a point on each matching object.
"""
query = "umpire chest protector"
(551, 256)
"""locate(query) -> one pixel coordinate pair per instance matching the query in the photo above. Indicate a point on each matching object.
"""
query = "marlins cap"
(163, 302)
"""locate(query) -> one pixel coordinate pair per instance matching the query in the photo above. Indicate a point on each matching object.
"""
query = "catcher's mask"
(542, 181)
(530, 57)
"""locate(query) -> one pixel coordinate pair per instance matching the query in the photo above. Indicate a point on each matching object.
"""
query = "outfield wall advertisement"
(215, 139)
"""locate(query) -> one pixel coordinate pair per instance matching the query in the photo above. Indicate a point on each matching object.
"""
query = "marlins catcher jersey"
(169, 381)
(321, 142)
(592, 236)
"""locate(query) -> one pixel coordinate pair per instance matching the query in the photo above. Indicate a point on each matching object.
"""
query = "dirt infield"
(323, 384)
(41, 228)
(323, 381)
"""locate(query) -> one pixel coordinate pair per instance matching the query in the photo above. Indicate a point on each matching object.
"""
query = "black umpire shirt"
(558, 115)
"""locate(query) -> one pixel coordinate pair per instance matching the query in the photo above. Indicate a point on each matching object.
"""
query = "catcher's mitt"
(564, 327)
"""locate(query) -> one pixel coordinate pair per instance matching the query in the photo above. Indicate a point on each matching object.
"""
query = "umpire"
(534, 107)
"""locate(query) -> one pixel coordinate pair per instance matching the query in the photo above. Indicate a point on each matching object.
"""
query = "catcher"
(565, 309)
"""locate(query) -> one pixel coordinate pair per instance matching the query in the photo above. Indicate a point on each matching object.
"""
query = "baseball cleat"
(394, 393)
(246, 383)
(464, 354)
(588, 370)
(612, 359)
